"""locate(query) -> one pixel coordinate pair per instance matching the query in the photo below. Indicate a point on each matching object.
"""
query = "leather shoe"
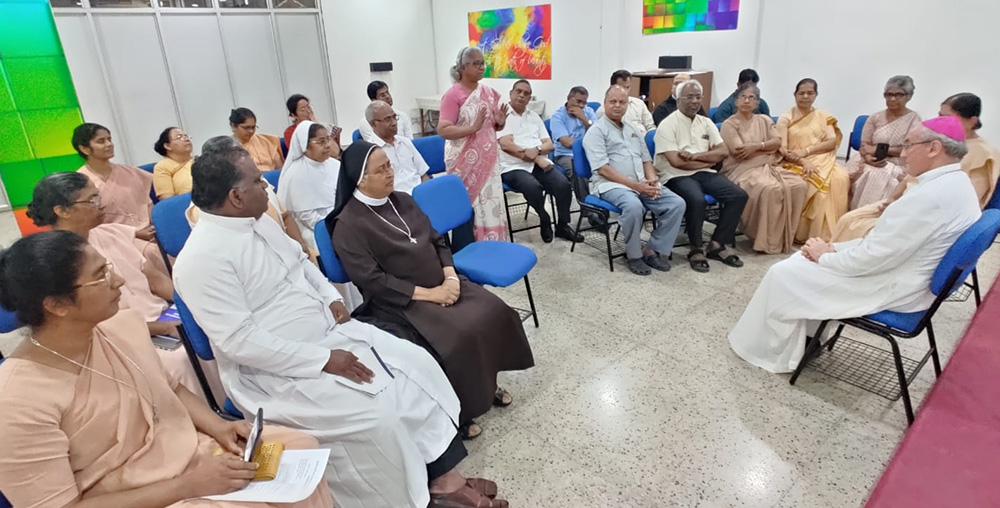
(566, 233)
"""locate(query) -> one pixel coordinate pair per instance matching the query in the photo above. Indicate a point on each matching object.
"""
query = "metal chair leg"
(531, 301)
(510, 226)
(833, 340)
(904, 390)
(579, 222)
(975, 286)
(813, 345)
(934, 350)
(607, 241)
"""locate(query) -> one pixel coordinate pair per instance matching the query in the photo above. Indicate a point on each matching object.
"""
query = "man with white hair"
(665, 108)
(408, 166)
(890, 269)
(688, 148)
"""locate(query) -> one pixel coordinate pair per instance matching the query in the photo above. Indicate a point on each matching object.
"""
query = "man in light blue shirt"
(569, 123)
(624, 176)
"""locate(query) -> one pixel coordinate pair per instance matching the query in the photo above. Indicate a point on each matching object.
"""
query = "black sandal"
(470, 430)
(502, 398)
(730, 260)
(698, 265)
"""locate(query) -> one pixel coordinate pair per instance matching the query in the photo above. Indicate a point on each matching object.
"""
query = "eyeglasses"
(907, 145)
(384, 170)
(109, 271)
(747, 98)
(478, 63)
(180, 137)
(691, 97)
(394, 118)
(93, 200)
(894, 95)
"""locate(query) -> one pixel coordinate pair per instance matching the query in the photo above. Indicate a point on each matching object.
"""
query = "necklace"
(156, 415)
(393, 226)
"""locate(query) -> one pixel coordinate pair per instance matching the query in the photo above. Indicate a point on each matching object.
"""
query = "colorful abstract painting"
(38, 104)
(516, 42)
(660, 16)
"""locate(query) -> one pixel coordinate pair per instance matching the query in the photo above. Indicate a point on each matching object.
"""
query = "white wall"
(359, 32)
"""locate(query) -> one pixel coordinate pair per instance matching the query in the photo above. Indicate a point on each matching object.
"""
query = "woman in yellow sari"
(172, 175)
(265, 149)
(89, 417)
(809, 141)
(982, 164)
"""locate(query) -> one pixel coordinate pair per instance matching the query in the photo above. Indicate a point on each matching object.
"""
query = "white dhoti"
(380, 445)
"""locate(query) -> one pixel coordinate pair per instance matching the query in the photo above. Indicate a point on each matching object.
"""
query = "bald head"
(615, 103)
(382, 118)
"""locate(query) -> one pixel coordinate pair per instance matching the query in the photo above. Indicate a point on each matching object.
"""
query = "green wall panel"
(6, 99)
(14, 145)
(28, 29)
(50, 131)
(64, 163)
(40, 82)
(20, 178)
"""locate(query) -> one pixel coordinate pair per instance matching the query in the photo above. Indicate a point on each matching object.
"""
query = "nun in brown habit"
(406, 275)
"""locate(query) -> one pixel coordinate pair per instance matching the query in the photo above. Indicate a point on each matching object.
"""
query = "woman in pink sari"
(90, 419)
(469, 121)
(124, 189)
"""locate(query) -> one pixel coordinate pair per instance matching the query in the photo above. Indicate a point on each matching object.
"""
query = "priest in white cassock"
(889, 269)
(285, 342)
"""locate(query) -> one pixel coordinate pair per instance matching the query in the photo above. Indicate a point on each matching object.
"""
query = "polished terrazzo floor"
(637, 401)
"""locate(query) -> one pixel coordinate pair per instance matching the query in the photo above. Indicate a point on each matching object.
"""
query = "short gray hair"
(749, 85)
(372, 106)
(461, 60)
(218, 144)
(952, 147)
(685, 84)
(902, 81)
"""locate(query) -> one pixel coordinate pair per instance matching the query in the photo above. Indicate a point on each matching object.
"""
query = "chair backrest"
(172, 228)
(859, 125)
(594, 106)
(284, 146)
(431, 148)
(356, 135)
(994, 202)
(651, 143)
(195, 335)
(581, 166)
(548, 127)
(8, 321)
(148, 167)
(445, 201)
(272, 178)
(711, 111)
(332, 267)
(965, 252)
(4, 503)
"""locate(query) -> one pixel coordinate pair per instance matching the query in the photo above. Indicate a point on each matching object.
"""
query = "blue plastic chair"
(953, 269)
(284, 146)
(594, 106)
(272, 177)
(446, 203)
(356, 135)
(172, 228)
(197, 345)
(8, 321)
(431, 148)
(149, 169)
(712, 110)
(548, 127)
(328, 259)
(855, 140)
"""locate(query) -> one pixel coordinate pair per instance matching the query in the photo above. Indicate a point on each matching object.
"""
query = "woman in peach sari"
(776, 195)
(982, 164)
(809, 141)
(90, 419)
(265, 149)
(469, 121)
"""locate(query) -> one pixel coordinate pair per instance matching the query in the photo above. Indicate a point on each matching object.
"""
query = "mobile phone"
(166, 342)
(253, 440)
(881, 151)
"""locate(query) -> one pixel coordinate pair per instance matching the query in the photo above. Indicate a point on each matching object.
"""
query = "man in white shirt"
(379, 91)
(284, 341)
(623, 175)
(525, 166)
(637, 112)
(688, 147)
(408, 166)
(890, 269)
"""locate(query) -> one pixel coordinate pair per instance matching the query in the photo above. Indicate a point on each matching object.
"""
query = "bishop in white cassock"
(284, 342)
(890, 269)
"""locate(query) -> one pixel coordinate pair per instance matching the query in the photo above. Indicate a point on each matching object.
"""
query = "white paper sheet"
(382, 377)
(299, 472)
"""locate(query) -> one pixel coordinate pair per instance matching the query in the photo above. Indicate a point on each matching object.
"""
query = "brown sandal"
(465, 497)
(482, 486)
(503, 398)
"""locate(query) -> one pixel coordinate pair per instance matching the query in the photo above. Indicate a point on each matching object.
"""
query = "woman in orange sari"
(469, 121)
(90, 419)
(265, 149)
(809, 141)
(776, 195)
(981, 163)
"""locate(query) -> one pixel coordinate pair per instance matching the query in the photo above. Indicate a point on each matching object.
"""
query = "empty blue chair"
(272, 177)
(197, 346)
(284, 147)
(954, 268)
(328, 260)
(431, 148)
(172, 228)
(594, 106)
(356, 135)
(446, 203)
(855, 141)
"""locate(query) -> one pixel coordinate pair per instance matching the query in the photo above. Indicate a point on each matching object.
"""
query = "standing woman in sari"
(469, 121)
(90, 418)
(776, 195)
(124, 189)
(809, 141)
(265, 149)
(873, 178)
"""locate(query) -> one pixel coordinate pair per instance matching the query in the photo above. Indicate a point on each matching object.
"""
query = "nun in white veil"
(307, 186)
